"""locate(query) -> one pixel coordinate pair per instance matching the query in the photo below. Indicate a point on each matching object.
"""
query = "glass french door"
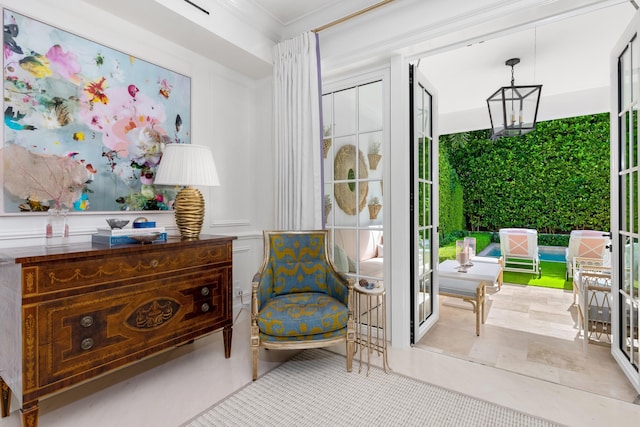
(354, 117)
(625, 200)
(423, 198)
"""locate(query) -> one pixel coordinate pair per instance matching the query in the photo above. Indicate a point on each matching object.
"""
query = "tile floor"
(532, 331)
(171, 388)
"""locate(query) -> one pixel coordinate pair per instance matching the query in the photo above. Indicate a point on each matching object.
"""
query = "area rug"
(553, 275)
(314, 389)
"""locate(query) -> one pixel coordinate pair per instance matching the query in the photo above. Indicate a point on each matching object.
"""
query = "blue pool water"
(547, 253)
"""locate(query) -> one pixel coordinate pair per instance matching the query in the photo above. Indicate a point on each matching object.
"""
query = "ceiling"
(287, 12)
(565, 55)
(564, 52)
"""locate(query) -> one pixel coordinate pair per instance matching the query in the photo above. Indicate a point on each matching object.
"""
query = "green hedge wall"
(554, 179)
(450, 198)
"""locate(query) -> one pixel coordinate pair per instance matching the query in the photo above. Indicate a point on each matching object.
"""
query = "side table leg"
(359, 338)
(369, 333)
(385, 361)
(227, 332)
(6, 398)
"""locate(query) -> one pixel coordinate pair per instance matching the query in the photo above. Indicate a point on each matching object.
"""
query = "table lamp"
(187, 165)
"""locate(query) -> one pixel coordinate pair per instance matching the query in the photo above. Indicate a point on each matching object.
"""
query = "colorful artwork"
(67, 96)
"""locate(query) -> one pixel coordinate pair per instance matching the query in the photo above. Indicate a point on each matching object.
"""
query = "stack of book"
(120, 236)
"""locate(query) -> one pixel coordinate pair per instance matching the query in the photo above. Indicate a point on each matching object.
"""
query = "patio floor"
(532, 331)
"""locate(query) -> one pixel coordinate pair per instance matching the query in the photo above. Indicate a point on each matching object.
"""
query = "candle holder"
(462, 255)
(470, 247)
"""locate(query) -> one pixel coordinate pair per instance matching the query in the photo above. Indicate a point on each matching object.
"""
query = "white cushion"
(340, 259)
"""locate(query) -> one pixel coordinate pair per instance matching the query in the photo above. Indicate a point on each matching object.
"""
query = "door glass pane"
(328, 206)
(634, 265)
(626, 341)
(426, 250)
(370, 107)
(422, 166)
(345, 253)
(349, 193)
(426, 126)
(633, 207)
(626, 265)
(327, 131)
(427, 161)
(371, 144)
(424, 298)
(424, 278)
(634, 333)
(624, 202)
(344, 112)
(427, 205)
(631, 125)
(624, 152)
(374, 204)
(625, 78)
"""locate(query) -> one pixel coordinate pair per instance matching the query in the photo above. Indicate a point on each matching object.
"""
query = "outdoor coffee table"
(469, 284)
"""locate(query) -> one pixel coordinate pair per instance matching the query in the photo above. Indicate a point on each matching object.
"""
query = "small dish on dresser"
(145, 238)
(115, 223)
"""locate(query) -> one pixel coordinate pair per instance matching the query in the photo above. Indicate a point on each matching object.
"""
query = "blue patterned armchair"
(298, 299)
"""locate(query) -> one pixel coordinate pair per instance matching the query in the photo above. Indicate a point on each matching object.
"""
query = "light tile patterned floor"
(532, 331)
(171, 388)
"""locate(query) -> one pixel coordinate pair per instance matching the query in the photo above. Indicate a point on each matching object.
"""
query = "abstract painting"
(66, 96)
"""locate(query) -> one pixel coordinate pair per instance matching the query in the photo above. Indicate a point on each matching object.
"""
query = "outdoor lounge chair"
(586, 244)
(519, 247)
(592, 287)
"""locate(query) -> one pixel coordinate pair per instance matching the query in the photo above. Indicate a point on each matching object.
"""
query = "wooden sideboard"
(71, 313)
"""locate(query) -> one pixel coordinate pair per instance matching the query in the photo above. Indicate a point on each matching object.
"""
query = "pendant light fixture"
(513, 110)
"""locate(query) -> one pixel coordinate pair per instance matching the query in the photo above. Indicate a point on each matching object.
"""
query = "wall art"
(66, 97)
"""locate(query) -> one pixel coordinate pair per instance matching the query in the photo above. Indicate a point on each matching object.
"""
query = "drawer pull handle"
(154, 263)
(205, 307)
(205, 291)
(86, 321)
(86, 343)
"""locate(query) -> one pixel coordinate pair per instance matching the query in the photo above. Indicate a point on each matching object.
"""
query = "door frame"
(417, 78)
(632, 30)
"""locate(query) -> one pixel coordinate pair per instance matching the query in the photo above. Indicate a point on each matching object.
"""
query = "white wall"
(231, 113)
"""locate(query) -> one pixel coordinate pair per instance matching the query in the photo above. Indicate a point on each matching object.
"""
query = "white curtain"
(297, 133)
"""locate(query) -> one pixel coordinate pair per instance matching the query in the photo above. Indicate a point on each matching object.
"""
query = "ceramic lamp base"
(189, 209)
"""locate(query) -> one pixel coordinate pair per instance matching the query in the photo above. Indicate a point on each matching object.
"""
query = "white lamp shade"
(188, 165)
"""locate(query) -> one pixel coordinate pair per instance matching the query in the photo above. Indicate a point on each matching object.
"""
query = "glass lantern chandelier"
(513, 109)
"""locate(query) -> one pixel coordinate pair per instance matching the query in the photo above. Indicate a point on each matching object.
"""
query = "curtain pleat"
(297, 134)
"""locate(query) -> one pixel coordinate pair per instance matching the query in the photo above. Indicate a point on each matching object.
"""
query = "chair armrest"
(256, 278)
(255, 303)
(339, 285)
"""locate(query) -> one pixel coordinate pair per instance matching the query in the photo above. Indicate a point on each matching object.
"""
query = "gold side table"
(370, 310)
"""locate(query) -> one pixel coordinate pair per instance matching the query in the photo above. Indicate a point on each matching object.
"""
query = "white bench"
(492, 260)
(469, 291)
(470, 284)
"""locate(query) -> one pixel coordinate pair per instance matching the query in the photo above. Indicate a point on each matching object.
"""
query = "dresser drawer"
(75, 274)
(82, 336)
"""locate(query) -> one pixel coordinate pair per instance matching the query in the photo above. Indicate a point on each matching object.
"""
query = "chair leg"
(483, 300)
(254, 351)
